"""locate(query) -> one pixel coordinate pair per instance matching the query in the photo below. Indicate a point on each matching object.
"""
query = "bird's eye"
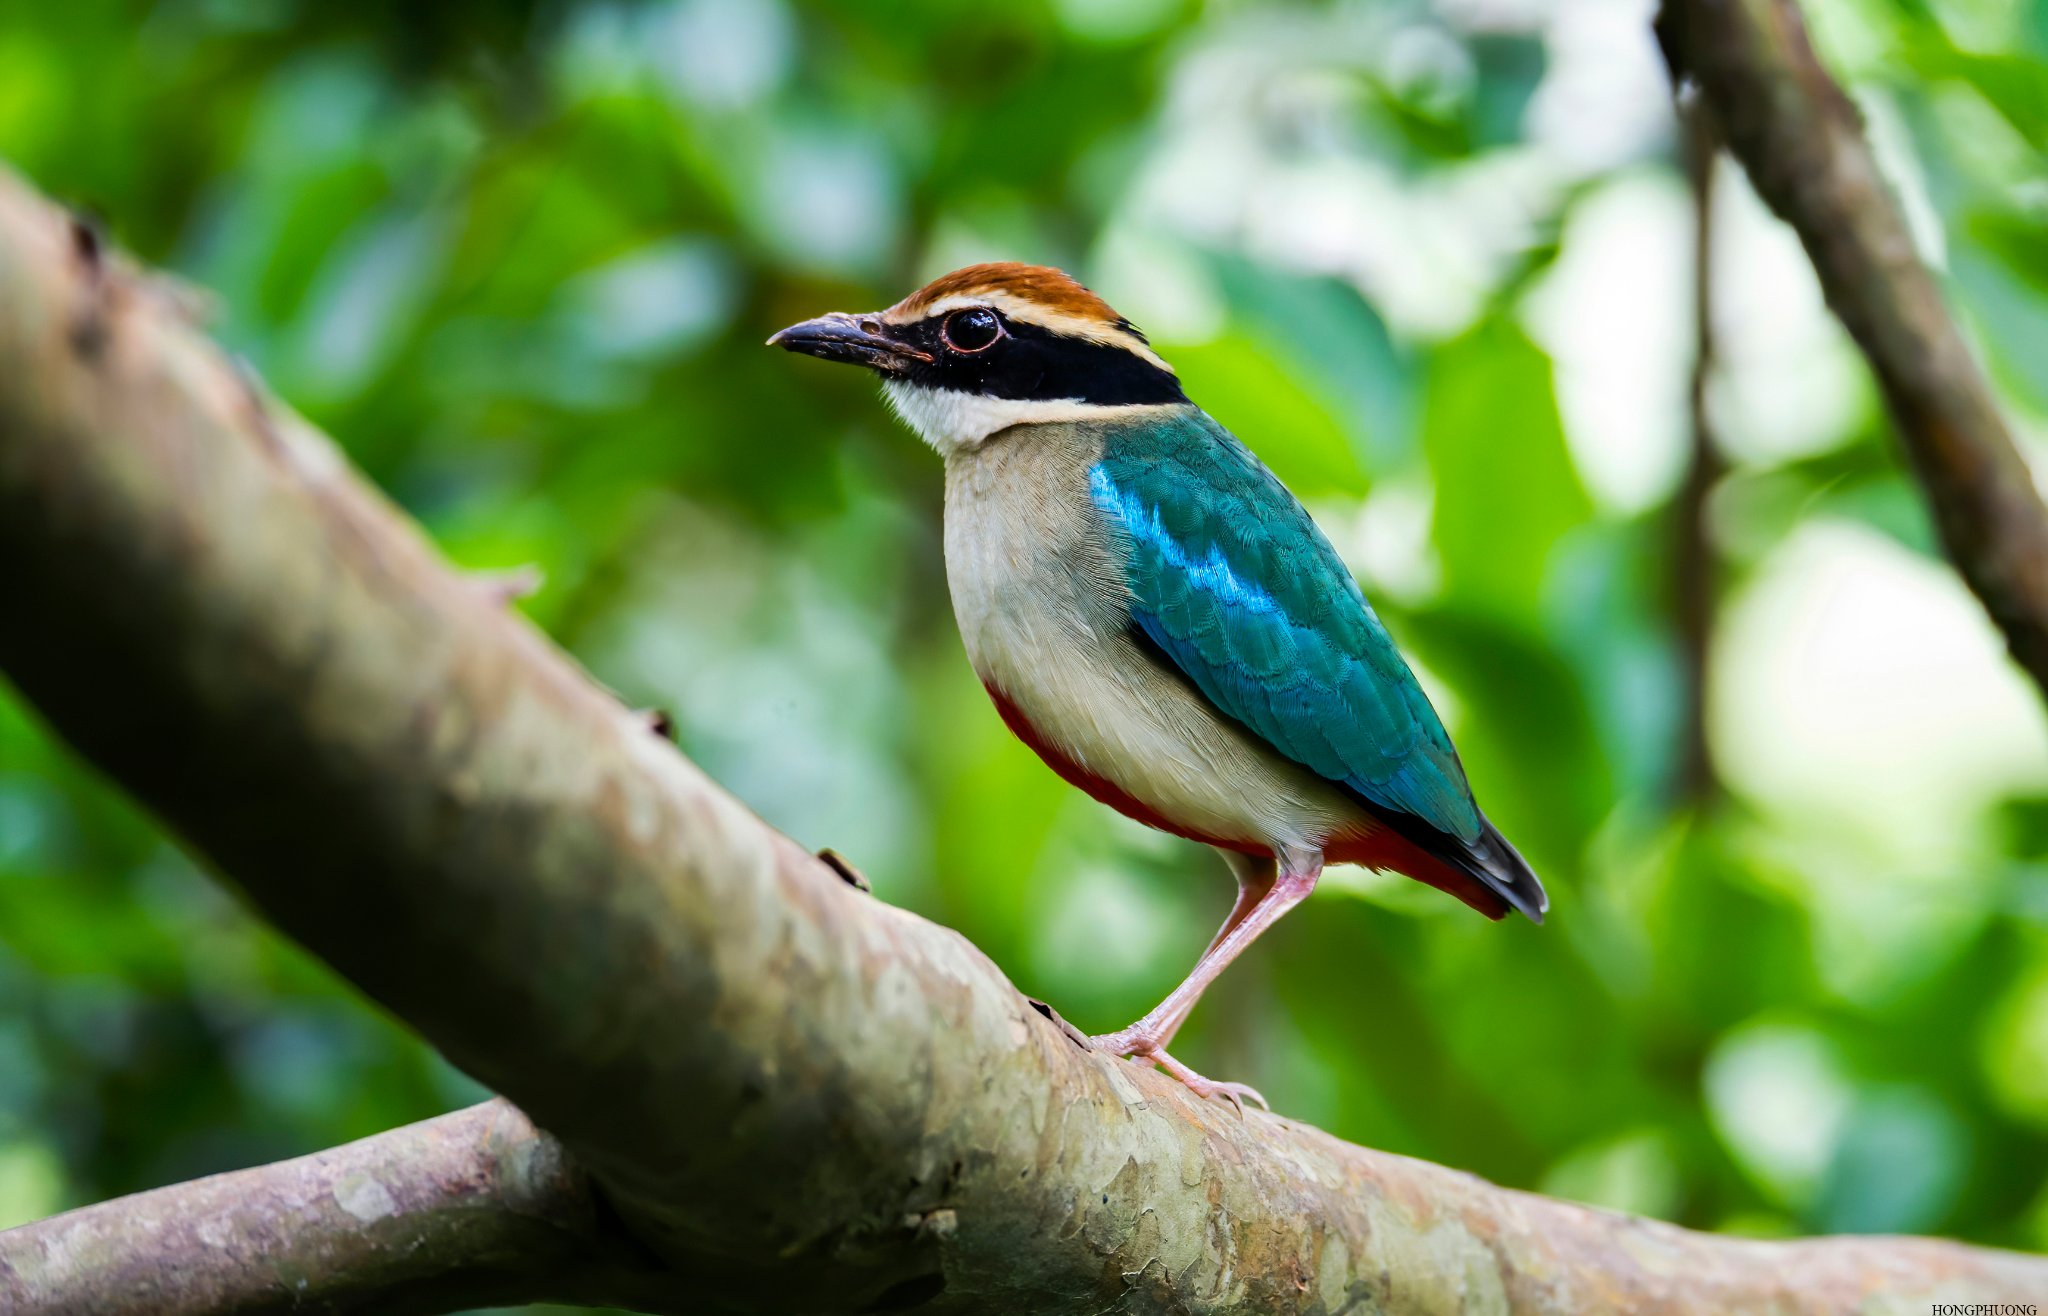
(972, 330)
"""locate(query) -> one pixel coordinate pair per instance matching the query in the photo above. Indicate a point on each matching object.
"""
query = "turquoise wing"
(1230, 577)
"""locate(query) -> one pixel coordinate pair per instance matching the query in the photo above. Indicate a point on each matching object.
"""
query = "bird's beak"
(861, 340)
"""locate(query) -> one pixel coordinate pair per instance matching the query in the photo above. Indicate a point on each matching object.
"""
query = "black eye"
(972, 330)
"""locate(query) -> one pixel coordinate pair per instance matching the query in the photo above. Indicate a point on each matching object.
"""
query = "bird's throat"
(952, 421)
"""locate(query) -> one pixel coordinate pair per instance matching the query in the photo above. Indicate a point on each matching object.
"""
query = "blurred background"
(1435, 262)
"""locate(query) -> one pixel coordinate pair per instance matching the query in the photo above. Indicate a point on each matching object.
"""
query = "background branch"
(470, 1209)
(1802, 143)
(1694, 572)
(798, 1098)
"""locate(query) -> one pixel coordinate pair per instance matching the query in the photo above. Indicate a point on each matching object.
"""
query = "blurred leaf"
(2015, 84)
(1511, 66)
(2020, 242)
(1506, 488)
(1633, 1172)
(1259, 398)
(31, 1182)
(1526, 736)
(1343, 346)
(1898, 1167)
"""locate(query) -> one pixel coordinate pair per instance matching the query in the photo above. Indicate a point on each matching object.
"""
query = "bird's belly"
(1103, 714)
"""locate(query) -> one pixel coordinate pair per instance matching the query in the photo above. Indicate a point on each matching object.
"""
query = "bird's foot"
(505, 588)
(1129, 1042)
(1146, 1050)
(1234, 1093)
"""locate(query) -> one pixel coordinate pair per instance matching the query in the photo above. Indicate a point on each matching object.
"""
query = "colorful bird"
(1157, 616)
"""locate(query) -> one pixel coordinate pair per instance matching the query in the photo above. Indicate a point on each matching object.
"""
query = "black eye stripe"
(1026, 362)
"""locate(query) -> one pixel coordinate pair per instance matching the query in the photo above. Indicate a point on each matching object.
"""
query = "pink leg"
(1255, 875)
(1146, 1039)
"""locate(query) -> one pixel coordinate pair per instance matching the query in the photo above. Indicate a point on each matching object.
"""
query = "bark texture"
(1802, 143)
(795, 1097)
(478, 1206)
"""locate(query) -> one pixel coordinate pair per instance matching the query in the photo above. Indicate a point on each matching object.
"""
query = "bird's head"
(991, 346)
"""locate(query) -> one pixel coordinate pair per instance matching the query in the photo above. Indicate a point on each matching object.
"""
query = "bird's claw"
(1234, 1093)
(1147, 1052)
(505, 588)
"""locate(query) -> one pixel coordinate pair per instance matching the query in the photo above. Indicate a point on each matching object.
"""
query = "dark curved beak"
(860, 340)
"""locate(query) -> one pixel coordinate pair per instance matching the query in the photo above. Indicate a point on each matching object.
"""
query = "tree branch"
(1694, 569)
(1802, 142)
(798, 1098)
(466, 1210)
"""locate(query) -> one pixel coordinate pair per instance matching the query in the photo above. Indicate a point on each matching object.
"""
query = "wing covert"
(1234, 582)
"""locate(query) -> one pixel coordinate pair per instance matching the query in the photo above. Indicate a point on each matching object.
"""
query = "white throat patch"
(951, 421)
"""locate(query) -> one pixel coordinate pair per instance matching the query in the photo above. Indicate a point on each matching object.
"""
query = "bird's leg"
(1262, 899)
(1144, 1040)
(1255, 875)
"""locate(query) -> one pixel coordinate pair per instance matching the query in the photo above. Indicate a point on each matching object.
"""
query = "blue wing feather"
(1233, 581)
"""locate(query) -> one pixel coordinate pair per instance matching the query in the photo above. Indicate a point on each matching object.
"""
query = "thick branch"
(801, 1099)
(465, 1210)
(1802, 142)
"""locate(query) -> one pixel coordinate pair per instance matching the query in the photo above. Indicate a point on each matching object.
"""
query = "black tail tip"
(1501, 867)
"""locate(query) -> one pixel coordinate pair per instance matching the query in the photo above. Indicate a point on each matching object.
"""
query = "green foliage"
(1503, 476)
(520, 261)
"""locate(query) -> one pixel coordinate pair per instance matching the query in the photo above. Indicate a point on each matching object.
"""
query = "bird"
(1158, 617)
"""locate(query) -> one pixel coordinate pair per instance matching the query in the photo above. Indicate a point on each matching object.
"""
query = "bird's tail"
(1500, 868)
(1486, 873)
